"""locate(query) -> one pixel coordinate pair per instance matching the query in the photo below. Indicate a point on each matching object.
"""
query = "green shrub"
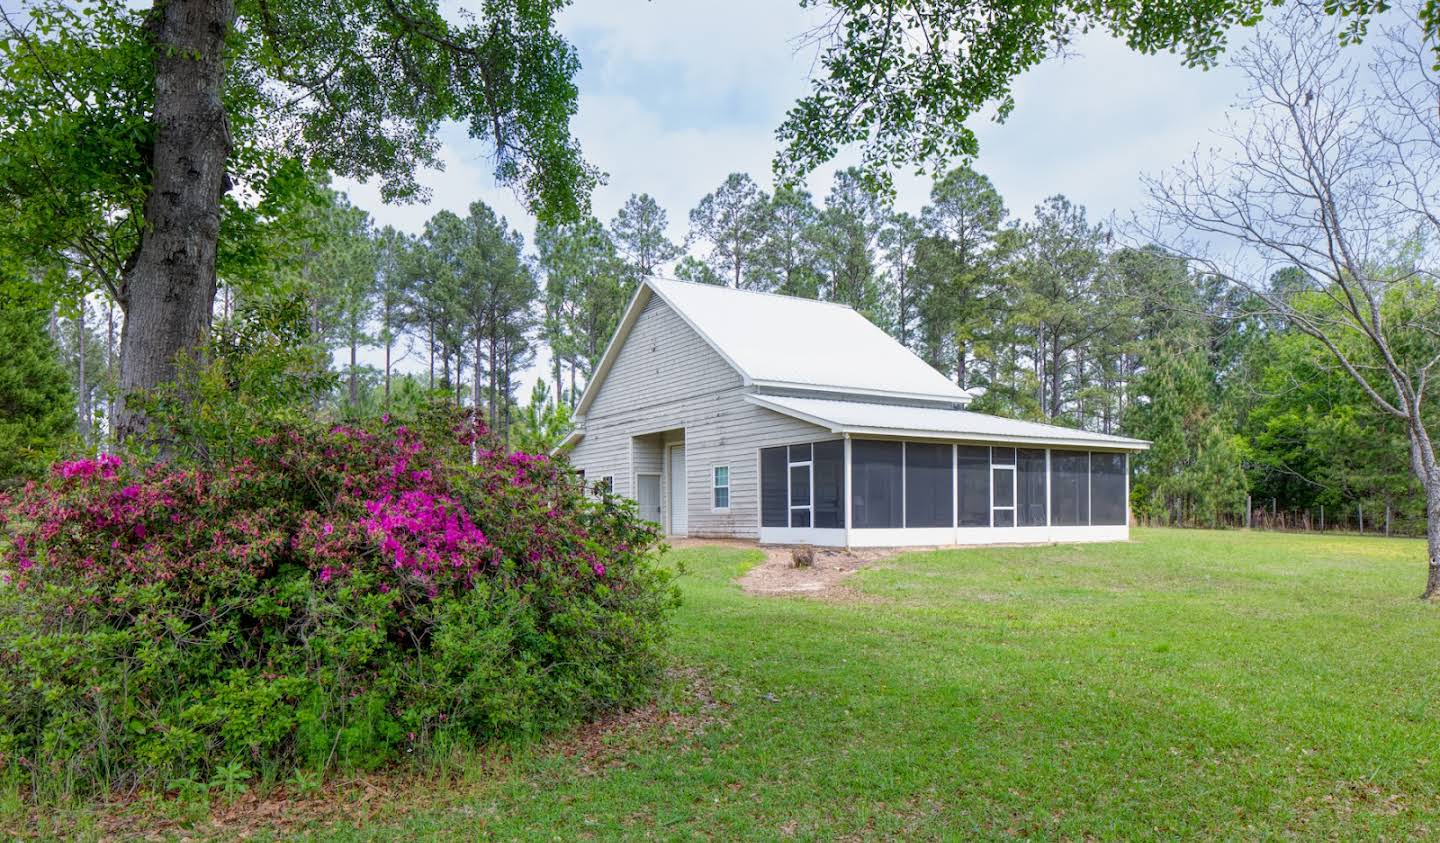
(330, 598)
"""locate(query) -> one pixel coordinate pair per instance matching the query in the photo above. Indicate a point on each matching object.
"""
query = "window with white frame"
(721, 487)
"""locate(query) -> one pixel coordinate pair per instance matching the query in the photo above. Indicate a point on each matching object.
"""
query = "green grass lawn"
(1215, 684)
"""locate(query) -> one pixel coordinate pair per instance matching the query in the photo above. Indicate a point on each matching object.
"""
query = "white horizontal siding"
(666, 378)
(662, 360)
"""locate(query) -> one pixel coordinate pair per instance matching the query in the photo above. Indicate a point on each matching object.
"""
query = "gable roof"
(862, 418)
(787, 342)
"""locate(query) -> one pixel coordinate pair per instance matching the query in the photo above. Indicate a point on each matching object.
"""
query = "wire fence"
(1357, 519)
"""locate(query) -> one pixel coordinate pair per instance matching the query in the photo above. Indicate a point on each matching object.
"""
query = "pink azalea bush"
(343, 595)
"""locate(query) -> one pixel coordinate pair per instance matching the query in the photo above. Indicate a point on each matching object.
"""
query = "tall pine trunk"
(354, 383)
(559, 376)
(1056, 376)
(169, 287)
(389, 344)
(494, 383)
(477, 389)
(82, 394)
(110, 368)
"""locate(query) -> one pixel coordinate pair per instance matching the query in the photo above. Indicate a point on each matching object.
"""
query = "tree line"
(1046, 318)
(153, 162)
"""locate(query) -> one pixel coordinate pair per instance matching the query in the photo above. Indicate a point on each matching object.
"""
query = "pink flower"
(328, 528)
(325, 575)
(599, 569)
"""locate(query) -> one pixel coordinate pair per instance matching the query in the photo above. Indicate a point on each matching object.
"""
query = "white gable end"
(660, 358)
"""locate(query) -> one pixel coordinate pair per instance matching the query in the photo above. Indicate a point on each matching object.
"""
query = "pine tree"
(638, 231)
(1192, 473)
(36, 402)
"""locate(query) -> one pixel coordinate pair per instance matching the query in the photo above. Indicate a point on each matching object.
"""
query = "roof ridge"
(655, 276)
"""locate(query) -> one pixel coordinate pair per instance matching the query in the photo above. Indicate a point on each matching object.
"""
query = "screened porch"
(889, 492)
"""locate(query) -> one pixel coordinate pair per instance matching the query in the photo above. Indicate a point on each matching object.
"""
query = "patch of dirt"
(778, 576)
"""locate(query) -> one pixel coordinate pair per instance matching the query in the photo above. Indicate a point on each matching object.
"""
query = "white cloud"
(676, 95)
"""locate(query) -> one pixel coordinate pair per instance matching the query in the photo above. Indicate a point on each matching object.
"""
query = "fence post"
(1322, 517)
(1247, 512)
(1360, 508)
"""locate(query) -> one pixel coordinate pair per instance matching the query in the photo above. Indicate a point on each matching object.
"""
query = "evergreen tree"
(390, 258)
(731, 220)
(787, 260)
(586, 290)
(1192, 473)
(638, 232)
(542, 423)
(37, 406)
(954, 271)
(1060, 279)
(849, 234)
(495, 294)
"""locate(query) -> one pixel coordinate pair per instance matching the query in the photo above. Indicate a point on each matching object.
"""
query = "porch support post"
(849, 515)
(954, 493)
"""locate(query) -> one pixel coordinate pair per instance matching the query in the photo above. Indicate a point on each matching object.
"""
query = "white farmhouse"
(736, 414)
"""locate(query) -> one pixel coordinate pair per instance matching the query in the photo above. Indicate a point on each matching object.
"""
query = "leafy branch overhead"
(365, 85)
(903, 78)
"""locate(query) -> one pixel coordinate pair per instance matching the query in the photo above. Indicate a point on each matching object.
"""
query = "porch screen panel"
(1030, 486)
(1107, 489)
(1069, 488)
(875, 486)
(973, 464)
(830, 484)
(774, 494)
(929, 485)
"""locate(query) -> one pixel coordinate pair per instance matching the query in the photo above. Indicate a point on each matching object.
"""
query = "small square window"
(606, 484)
(721, 487)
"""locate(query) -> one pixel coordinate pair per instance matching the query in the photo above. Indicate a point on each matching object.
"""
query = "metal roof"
(862, 417)
(784, 341)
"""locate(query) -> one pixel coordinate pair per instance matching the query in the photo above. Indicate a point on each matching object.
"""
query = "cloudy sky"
(675, 94)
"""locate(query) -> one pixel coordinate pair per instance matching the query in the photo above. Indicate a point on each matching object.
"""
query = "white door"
(679, 512)
(648, 497)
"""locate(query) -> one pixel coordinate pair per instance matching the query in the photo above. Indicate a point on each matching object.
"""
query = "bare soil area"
(778, 576)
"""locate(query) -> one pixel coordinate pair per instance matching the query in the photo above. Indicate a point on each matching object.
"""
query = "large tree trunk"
(169, 288)
(1432, 535)
(1427, 471)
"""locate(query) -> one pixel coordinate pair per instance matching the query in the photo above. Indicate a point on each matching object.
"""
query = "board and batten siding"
(667, 377)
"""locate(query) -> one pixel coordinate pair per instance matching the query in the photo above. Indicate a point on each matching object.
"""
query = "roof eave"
(569, 441)
(1009, 439)
(963, 398)
(1114, 444)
